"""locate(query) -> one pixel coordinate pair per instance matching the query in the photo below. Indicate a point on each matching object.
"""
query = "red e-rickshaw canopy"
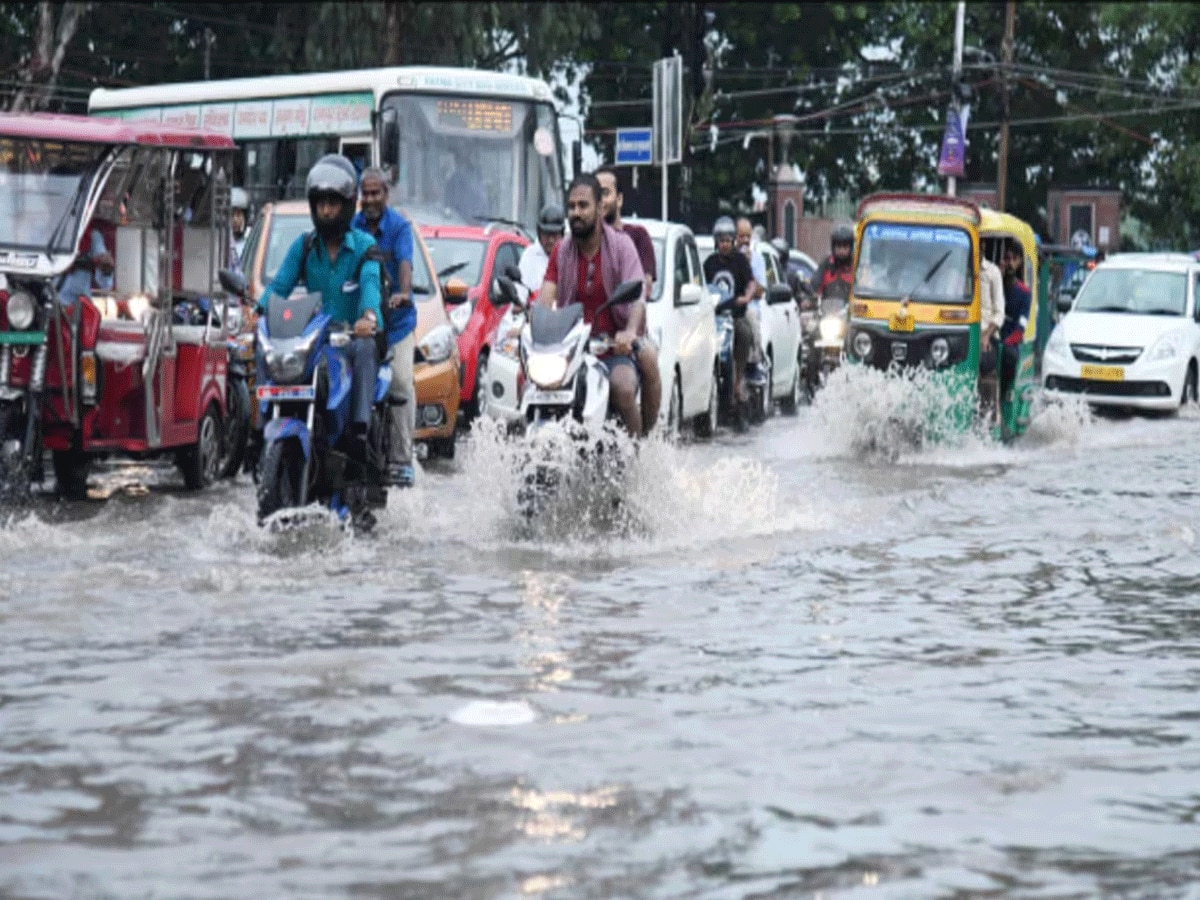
(91, 130)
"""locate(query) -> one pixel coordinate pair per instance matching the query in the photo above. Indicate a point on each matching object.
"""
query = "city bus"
(460, 146)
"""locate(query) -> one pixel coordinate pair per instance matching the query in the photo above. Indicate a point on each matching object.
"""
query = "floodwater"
(786, 669)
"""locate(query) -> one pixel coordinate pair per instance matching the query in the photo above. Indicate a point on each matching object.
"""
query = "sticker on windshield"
(18, 260)
(918, 234)
(543, 143)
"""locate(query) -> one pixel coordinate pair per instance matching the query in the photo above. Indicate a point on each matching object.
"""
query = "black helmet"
(842, 234)
(336, 175)
(724, 227)
(550, 219)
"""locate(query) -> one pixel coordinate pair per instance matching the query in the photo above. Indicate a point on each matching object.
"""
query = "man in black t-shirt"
(732, 269)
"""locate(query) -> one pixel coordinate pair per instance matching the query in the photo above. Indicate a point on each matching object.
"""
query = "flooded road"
(791, 672)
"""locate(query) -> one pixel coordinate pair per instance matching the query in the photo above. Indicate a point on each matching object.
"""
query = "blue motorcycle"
(305, 402)
(729, 411)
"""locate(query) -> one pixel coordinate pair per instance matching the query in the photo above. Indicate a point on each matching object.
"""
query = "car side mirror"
(1064, 302)
(504, 292)
(233, 282)
(779, 293)
(513, 273)
(689, 295)
(454, 291)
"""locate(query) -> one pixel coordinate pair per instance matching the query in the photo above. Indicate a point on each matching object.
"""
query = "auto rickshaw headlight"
(939, 351)
(862, 345)
(22, 310)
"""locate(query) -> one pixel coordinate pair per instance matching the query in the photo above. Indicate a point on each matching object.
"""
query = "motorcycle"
(823, 336)
(565, 383)
(305, 403)
(729, 412)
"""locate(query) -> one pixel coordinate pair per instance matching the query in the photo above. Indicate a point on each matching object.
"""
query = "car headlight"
(460, 315)
(1058, 342)
(862, 345)
(1167, 347)
(546, 370)
(831, 328)
(21, 310)
(939, 351)
(438, 345)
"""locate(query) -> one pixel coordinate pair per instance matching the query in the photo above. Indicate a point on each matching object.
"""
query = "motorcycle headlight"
(460, 315)
(831, 328)
(21, 310)
(939, 351)
(287, 366)
(862, 345)
(546, 370)
(438, 345)
(1167, 347)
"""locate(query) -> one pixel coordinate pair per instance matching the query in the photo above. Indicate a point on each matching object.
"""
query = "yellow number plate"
(900, 322)
(1103, 373)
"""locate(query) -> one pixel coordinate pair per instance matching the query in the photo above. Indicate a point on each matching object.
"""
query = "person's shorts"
(620, 359)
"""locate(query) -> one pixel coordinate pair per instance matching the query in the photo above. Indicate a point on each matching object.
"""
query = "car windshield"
(929, 263)
(1138, 291)
(285, 228)
(447, 252)
(43, 185)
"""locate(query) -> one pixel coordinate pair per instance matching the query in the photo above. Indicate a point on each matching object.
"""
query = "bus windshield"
(42, 191)
(467, 160)
(922, 262)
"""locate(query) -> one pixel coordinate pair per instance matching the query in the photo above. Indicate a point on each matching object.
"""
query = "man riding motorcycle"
(333, 261)
(586, 268)
(731, 265)
(838, 267)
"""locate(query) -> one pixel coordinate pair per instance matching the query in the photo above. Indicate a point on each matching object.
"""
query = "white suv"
(1132, 335)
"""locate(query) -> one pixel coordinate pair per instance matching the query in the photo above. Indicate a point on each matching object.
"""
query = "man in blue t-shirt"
(393, 233)
(334, 262)
(1017, 302)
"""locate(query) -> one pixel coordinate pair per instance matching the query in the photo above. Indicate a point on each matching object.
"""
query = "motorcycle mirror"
(234, 282)
(627, 292)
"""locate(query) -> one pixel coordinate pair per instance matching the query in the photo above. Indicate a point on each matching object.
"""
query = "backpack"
(373, 253)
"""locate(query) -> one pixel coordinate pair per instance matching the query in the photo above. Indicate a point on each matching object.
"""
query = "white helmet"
(239, 199)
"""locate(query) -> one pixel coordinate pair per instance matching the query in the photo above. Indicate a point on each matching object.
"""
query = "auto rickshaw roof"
(92, 130)
(919, 204)
(994, 223)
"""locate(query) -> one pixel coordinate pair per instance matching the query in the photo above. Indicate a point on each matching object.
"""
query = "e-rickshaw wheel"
(237, 429)
(201, 462)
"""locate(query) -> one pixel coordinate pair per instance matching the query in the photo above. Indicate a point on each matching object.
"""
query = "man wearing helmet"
(838, 267)
(334, 263)
(732, 267)
(536, 256)
(239, 212)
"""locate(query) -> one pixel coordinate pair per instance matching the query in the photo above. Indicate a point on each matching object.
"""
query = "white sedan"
(1132, 336)
(679, 317)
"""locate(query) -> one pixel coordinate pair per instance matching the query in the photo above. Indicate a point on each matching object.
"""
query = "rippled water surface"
(784, 670)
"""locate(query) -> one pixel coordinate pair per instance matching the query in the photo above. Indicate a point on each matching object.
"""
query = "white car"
(780, 318)
(1132, 335)
(679, 317)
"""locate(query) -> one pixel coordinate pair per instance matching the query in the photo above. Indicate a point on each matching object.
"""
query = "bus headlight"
(862, 345)
(939, 351)
(21, 310)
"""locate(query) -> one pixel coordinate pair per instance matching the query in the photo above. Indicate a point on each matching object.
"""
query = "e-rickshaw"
(127, 356)
(915, 299)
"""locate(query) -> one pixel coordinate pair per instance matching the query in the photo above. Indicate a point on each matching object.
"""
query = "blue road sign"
(635, 146)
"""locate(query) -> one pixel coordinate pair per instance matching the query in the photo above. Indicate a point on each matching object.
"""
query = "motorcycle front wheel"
(280, 473)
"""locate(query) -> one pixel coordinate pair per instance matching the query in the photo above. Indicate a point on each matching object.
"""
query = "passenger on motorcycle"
(535, 257)
(239, 218)
(839, 265)
(611, 200)
(737, 267)
(586, 268)
(330, 269)
(758, 270)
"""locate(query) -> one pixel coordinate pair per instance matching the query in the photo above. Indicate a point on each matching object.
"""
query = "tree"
(39, 71)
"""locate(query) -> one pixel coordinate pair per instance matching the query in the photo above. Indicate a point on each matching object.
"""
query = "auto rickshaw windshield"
(922, 262)
(42, 188)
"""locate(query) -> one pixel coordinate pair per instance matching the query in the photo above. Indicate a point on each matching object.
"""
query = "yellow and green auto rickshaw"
(915, 299)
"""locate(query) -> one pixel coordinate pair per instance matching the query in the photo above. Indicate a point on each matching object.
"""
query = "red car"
(473, 254)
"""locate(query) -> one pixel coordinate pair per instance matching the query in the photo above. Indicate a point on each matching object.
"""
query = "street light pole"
(959, 21)
(1006, 52)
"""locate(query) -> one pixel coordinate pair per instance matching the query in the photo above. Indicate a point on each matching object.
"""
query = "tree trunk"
(39, 76)
(398, 20)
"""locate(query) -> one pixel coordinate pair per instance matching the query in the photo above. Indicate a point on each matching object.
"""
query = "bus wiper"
(932, 271)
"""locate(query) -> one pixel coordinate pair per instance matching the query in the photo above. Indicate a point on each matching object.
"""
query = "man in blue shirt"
(393, 233)
(92, 268)
(332, 269)
(1017, 302)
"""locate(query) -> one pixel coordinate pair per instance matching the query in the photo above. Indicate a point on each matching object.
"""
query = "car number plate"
(287, 392)
(899, 352)
(1103, 373)
(901, 322)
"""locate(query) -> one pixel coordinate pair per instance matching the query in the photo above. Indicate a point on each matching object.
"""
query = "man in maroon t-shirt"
(611, 200)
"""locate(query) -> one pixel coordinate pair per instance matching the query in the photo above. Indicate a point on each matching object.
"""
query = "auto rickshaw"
(122, 351)
(915, 299)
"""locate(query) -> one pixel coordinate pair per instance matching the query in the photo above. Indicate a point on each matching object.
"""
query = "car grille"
(1108, 388)
(1097, 353)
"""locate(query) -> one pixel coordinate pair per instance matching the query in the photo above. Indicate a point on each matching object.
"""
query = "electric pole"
(959, 23)
(209, 37)
(1006, 53)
